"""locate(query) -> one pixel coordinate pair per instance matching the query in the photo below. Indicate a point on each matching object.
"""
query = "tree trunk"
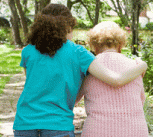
(69, 4)
(88, 12)
(40, 4)
(36, 7)
(22, 18)
(97, 12)
(134, 29)
(14, 22)
(118, 9)
(43, 3)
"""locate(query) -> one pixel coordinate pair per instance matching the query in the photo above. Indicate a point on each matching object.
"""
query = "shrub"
(147, 56)
(148, 112)
(150, 26)
(119, 22)
(4, 32)
(83, 24)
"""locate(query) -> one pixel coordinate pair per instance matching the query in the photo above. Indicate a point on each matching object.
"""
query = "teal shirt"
(51, 87)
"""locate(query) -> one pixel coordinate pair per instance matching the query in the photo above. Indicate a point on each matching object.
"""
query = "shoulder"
(73, 45)
(76, 49)
(28, 48)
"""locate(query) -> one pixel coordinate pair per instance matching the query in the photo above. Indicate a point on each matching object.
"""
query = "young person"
(55, 67)
(112, 111)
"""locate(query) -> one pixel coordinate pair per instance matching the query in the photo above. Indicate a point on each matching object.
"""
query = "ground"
(8, 101)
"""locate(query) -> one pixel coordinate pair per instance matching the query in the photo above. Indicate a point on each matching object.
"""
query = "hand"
(138, 61)
(143, 74)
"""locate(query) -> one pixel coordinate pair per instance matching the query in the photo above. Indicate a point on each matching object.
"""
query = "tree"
(122, 8)
(71, 3)
(14, 22)
(94, 9)
(25, 9)
(22, 17)
(40, 4)
(137, 7)
(97, 12)
(129, 11)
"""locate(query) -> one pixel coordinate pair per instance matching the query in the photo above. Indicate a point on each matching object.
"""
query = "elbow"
(118, 82)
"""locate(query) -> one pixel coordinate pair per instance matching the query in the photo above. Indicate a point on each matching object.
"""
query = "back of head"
(50, 28)
(106, 33)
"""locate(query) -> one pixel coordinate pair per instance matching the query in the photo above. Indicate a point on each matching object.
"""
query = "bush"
(148, 112)
(4, 34)
(119, 22)
(147, 56)
(83, 24)
(150, 26)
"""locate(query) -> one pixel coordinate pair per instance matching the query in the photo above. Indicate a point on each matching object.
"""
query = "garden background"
(16, 16)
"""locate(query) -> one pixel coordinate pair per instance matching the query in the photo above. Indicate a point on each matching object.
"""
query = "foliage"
(147, 111)
(4, 34)
(124, 8)
(148, 57)
(90, 6)
(119, 22)
(83, 24)
(146, 53)
(150, 26)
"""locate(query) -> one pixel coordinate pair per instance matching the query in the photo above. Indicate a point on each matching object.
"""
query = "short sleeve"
(23, 58)
(85, 58)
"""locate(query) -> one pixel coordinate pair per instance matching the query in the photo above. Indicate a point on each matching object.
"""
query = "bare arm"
(114, 79)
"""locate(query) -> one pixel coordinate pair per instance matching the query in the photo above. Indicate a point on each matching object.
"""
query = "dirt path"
(8, 101)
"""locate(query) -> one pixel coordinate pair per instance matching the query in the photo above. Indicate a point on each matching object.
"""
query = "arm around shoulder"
(114, 79)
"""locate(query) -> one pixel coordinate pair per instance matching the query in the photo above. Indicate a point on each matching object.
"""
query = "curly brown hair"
(108, 34)
(50, 28)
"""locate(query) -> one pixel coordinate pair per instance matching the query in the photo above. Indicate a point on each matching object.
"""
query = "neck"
(110, 50)
(103, 50)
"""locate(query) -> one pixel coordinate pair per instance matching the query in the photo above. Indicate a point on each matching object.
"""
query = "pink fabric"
(114, 112)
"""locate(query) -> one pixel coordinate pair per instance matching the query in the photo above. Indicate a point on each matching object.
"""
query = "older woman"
(112, 112)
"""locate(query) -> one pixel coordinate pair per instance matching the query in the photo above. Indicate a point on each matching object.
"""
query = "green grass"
(3, 81)
(110, 18)
(80, 34)
(9, 60)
